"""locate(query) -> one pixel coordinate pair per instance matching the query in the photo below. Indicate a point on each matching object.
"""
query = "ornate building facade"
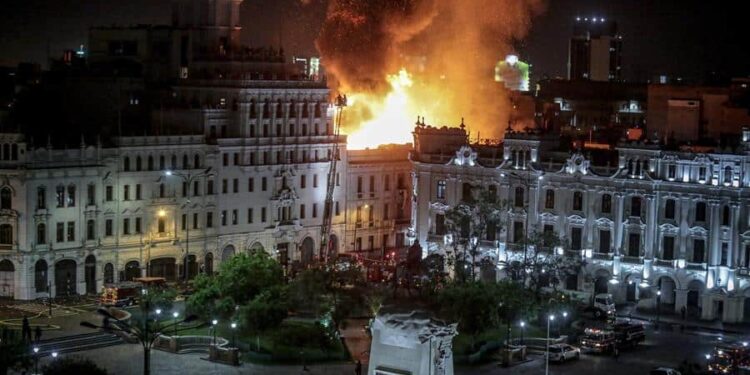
(649, 220)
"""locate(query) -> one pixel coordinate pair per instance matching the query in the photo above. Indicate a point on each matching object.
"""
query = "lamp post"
(234, 331)
(175, 315)
(187, 180)
(546, 360)
(54, 355)
(564, 322)
(36, 360)
(213, 326)
(145, 335)
(658, 307)
(523, 331)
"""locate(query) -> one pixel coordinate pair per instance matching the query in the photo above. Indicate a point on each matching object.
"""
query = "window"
(162, 163)
(492, 193)
(302, 181)
(109, 193)
(302, 211)
(359, 186)
(672, 172)
(183, 222)
(224, 186)
(263, 184)
(372, 185)
(575, 238)
(263, 215)
(606, 204)
(60, 196)
(71, 231)
(548, 235)
(108, 230)
(126, 164)
(605, 238)
(161, 225)
(667, 248)
(635, 206)
(700, 211)
(41, 234)
(336, 205)
(138, 228)
(210, 187)
(724, 254)
(387, 183)
(138, 163)
(400, 181)
(195, 220)
(577, 201)
(315, 181)
(91, 195)
(634, 244)
(126, 226)
(249, 215)
(236, 158)
(6, 234)
(196, 161)
(60, 232)
(518, 201)
(209, 219)
(41, 197)
(549, 199)
(669, 208)
(251, 184)
(161, 190)
(386, 215)
(315, 210)
(224, 218)
(725, 216)
(90, 230)
(518, 231)
(126, 192)
(40, 276)
(727, 175)
(5, 198)
(150, 163)
(196, 188)
(225, 159)
(702, 174)
(440, 189)
(439, 224)
(699, 249)
(235, 185)
(235, 218)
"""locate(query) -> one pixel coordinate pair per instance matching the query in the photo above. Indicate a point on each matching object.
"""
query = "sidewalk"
(629, 311)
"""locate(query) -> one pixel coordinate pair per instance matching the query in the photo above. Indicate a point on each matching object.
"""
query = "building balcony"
(664, 263)
(743, 272)
(631, 259)
(696, 266)
(603, 256)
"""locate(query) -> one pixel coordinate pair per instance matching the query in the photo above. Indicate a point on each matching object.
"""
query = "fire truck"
(126, 293)
(628, 334)
(729, 357)
(597, 341)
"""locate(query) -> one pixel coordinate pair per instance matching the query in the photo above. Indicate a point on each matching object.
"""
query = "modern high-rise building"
(595, 50)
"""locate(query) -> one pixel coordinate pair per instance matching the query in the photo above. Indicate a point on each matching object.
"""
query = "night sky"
(686, 38)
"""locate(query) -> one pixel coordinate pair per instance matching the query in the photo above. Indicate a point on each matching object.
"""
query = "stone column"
(81, 277)
(650, 226)
(684, 227)
(619, 212)
(51, 277)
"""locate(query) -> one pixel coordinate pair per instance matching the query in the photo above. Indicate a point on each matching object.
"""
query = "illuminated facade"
(654, 220)
(595, 50)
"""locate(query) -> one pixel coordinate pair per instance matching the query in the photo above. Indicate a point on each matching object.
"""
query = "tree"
(73, 365)
(266, 311)
(160, 297)
(239, 280)
(309, 291)
(469, 223)
(12, 350)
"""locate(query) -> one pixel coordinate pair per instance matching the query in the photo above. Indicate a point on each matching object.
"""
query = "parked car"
(563, 352)
(628, 334)
(664, 371)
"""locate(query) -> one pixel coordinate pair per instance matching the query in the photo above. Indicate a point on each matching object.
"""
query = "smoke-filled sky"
(681, 37)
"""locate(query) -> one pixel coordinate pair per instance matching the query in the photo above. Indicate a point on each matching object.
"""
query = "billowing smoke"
(449, 46)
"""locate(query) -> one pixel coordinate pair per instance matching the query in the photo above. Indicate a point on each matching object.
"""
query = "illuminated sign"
(513, 73)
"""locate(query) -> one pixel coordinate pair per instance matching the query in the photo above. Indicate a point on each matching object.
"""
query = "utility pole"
(325, 230)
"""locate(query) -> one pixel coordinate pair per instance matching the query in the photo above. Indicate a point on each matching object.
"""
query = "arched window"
(14, 152)
(150, 163)
(196, 161)
(40, 276)
(126, 164)
(700, 211)
(293, 109)
(317, 110)
(266, 110)
(518, 201)
(138, 163)
(173, 165)
(185, 164)
(6, 152)
(278, 109)
(41, 234)
(305, 109)
(6, 234)
(5, 198)
(162, 163)
(253, 109)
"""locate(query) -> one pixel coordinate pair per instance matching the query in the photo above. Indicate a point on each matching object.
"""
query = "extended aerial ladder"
(325, 230)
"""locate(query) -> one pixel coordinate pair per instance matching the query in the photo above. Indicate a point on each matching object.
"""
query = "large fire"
(391, 114)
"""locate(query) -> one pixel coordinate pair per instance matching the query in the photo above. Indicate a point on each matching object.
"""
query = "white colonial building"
(644, 219)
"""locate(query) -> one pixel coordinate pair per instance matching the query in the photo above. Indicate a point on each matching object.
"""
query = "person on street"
(26, 330)
(358, 368)
(683, 311)
(37, 334)
(616, 353)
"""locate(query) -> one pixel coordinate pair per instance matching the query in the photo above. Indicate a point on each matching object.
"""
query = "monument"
(411, 343)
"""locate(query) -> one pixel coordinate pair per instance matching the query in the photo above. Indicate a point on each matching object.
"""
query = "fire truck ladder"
(325, 230)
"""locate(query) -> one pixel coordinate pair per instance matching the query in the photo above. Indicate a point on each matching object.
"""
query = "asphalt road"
(663, 348)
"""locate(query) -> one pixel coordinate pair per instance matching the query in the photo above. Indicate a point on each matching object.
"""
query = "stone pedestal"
(411, 343)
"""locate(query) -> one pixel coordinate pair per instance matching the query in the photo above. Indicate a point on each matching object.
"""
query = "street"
(663, 348)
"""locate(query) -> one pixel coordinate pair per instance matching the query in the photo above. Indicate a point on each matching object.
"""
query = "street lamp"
(175, 315)
(658, 307)
(234, 330)
(36, 360)
(187, 180)
(546, 360)
(213, 326)
(145, 335)
(523, 331)
(54, 355)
